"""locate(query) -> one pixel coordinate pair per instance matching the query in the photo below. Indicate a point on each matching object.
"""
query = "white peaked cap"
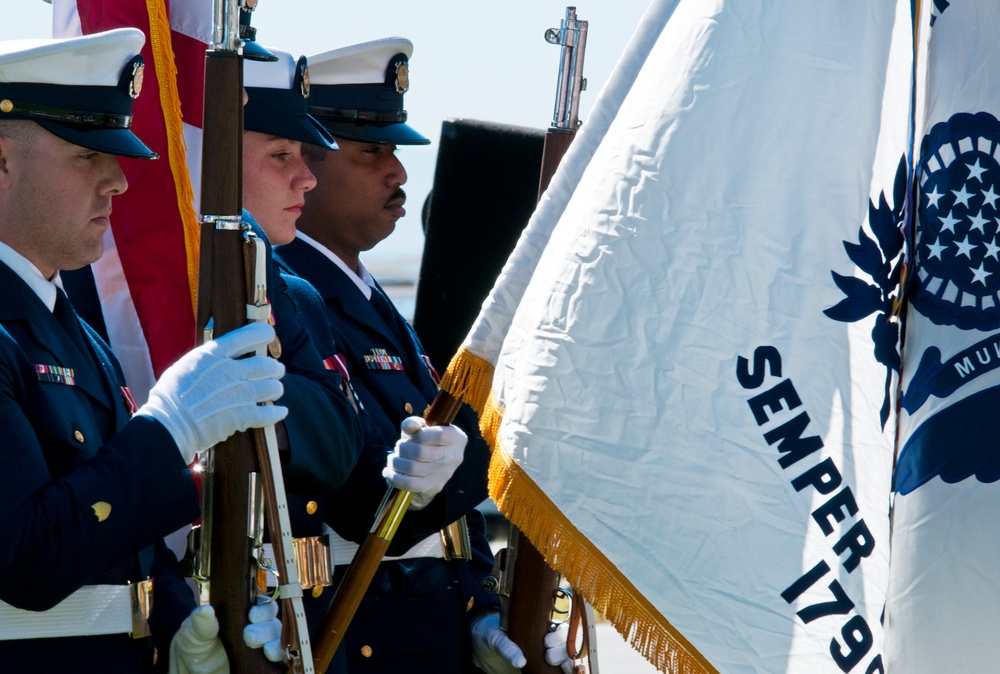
(278, 94)
(80, 88)
(357, 91)
(278, 74)
(362, 63)
(88, 60)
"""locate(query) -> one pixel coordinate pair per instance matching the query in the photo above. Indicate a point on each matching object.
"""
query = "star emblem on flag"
(957, 241)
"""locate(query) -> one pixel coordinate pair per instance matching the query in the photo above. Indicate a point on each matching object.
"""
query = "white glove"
(424, 459)
(208, 395)
(264, 631)
(492, 651)
(196, 648)
(555, 649)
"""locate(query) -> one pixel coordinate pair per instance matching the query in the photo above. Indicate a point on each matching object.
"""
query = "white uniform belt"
(91, 610)
(344, 550)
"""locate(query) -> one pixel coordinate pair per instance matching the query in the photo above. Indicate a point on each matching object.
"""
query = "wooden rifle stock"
(534, 585)
(532, 597)
(240, 482)
(222, 299)
(557, 141)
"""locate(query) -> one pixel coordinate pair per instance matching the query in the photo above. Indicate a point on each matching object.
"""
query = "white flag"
(692, 362)
(942, 613)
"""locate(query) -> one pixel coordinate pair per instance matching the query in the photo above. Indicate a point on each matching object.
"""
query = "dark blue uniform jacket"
(69, 444)
(392, 381)
(324, 432)
(321, 437)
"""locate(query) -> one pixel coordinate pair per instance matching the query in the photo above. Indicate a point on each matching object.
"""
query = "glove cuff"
(163, 410)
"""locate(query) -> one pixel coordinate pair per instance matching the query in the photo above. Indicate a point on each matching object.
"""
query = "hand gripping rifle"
(359, 574)
(535, 615)
(528, 587)
(241, 478)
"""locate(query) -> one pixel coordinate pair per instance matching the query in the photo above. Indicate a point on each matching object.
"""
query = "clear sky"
(471, 59)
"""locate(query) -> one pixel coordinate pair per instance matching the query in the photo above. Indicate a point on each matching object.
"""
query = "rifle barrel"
(222, 298)
(535, 583)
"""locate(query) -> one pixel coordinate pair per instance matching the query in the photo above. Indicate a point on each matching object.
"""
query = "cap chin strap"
(358, 115)
(63, 115)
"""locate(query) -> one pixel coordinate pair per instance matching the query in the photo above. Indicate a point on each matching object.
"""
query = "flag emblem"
(957, 244)
(880, 258)
(958, 218)
(956, 283)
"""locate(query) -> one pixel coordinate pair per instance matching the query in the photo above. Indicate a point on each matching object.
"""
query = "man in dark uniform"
(92, 485)
(277, 127)
(357, 94)
(320, 439)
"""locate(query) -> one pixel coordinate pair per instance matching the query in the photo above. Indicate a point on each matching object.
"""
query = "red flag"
(148, 278)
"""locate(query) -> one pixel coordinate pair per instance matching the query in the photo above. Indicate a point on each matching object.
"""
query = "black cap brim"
(120, 142)
(397, 134)
(262, 116)
(254, 52)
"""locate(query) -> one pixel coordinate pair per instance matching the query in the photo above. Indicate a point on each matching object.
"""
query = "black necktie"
(384, 309)
(67, 317)
(90, 367)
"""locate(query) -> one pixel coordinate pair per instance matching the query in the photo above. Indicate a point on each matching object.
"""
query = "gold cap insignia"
(402, 78)
(312, 507)
(6, 105)
(135, 87)
(304, 86)
(102, 510)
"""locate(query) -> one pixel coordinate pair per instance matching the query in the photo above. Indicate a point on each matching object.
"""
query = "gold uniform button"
(317, 590)
(101, 510)
(312, 507)
(468, 606)
(366, 651)
(408, 408)
(78, 436)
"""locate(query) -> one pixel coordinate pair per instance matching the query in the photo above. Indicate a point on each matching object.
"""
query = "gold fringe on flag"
(469, 377)
(563, 546)
(170, 102)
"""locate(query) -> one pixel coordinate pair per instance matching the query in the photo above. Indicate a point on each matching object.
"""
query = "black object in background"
(485, 190)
